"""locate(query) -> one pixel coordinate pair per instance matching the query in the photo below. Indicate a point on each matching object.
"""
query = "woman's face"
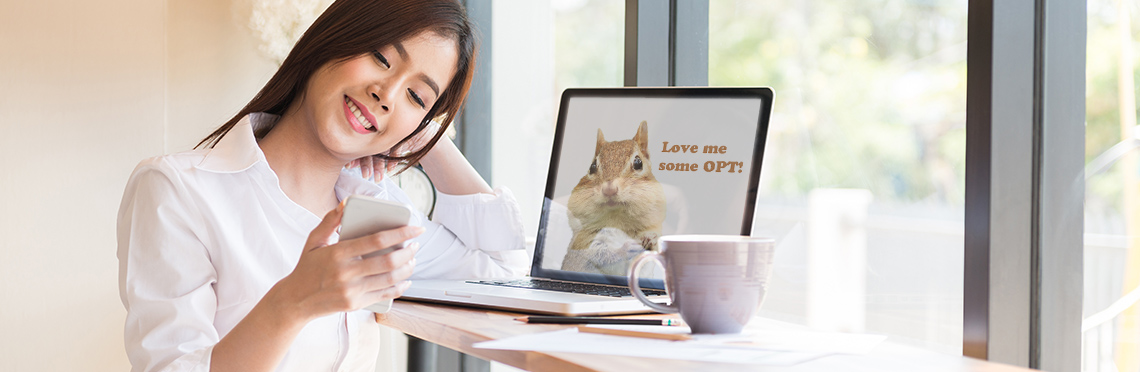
(365, 105)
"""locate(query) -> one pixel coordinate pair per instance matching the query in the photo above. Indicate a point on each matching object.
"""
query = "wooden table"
(458, 328)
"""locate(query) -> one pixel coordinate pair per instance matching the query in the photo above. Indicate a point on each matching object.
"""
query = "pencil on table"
(595, 320)
(622, 332)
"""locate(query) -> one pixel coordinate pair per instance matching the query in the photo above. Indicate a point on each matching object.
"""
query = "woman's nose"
(382, 96)
(382, 105)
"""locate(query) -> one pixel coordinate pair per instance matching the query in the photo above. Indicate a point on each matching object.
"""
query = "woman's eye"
(380, 57)
(416, 98)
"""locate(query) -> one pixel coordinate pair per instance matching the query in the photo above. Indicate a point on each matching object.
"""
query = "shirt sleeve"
(491, 222)
(471, 236)
(165, 274)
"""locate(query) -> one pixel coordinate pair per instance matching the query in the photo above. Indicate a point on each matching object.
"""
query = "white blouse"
(204, 234)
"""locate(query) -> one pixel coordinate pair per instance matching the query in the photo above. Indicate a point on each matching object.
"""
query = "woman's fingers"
(387, 293)
(387, 262)
(388, 278)
(371, 167)
(382, 277)
(322, 235)
(337, 278)
(384, 239)
(391, 272)
(379, 168)
(366, 167)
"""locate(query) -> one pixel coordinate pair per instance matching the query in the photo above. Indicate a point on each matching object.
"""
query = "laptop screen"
(630, 165)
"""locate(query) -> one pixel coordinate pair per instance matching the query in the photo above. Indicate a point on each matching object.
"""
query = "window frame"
(1024, 183)
(1023, 234)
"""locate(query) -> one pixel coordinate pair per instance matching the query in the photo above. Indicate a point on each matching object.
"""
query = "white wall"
(213, 67)
(522, 78)
(87, 89)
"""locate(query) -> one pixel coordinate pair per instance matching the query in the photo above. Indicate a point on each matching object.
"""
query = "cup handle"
(635, 287)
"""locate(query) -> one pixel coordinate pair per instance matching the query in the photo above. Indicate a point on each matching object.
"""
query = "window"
(868, 148)
(863, 176)
(541, 48)
(1110, 331)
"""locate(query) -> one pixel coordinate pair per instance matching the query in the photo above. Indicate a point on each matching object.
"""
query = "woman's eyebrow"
(430, 83)
(401, 51)
(426, 79)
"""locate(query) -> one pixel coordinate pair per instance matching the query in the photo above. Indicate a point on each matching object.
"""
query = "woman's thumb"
(322, 235)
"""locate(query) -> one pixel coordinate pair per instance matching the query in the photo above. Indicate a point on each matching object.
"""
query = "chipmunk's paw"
(649, 240)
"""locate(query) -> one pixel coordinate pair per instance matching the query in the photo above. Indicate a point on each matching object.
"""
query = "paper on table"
(796, 340)
(754, 345)
(570, 340)
(773, 339)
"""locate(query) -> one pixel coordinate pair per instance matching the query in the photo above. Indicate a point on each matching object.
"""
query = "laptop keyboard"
(583, 288)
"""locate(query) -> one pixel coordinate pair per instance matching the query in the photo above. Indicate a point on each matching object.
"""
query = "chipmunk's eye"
(594, 167)
(636, 163)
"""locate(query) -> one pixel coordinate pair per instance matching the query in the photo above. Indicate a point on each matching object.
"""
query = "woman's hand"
(332, 277)
(374, 167)
(449, 170)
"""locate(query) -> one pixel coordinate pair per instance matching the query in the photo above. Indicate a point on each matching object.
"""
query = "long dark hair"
(349, 28)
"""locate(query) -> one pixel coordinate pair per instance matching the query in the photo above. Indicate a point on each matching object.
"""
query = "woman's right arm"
(167, 280)
(329, 278)
(166, 277)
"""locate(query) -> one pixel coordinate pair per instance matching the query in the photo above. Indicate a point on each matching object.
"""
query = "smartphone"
(365, 215)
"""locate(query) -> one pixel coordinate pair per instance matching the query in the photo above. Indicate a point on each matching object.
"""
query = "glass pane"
(863, 175)
(1111, 327)
(541, 48)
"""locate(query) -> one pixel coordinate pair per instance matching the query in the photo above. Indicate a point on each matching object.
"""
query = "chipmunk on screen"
(617, 208)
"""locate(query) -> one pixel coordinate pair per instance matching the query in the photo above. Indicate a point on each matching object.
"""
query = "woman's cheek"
(410, 125)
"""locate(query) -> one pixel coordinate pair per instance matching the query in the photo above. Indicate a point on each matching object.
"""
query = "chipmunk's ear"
(642, 137)
(601, 140)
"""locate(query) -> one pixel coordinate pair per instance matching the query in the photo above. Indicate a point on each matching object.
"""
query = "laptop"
(628, 165)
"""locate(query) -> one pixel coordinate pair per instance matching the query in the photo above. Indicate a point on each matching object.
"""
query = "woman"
(225, 264)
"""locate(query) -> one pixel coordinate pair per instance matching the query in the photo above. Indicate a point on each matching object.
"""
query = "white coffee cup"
(716, 282)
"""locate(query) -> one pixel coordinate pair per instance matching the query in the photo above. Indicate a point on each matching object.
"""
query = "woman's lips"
(358, 116)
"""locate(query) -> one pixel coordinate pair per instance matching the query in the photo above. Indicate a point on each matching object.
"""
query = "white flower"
(279, 23)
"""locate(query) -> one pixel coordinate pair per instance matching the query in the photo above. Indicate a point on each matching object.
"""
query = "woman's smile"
(358, 116)
(366, 104)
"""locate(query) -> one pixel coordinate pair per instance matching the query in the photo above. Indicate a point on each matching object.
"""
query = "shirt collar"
(238, 149)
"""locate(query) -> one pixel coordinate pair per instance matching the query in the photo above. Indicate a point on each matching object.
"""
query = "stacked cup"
(716, 282)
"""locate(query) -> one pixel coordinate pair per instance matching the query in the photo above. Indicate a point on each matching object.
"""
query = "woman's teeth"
(359, 117)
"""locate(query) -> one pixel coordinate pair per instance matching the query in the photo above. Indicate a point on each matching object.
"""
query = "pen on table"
(622, 332)
(596, 320)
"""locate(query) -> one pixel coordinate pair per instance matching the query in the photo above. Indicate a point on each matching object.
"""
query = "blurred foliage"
(589, 43)
(869, 94)
(1104, 195)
